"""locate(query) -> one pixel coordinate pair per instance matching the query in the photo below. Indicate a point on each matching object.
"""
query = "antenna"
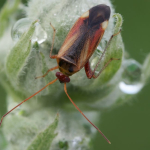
(65, 89)
(27, 99)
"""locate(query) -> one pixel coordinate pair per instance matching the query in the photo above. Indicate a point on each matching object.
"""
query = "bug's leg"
(90, 73)
(88, 70)
(27, 99)
(65, 89)
(95, 76)
(105, 50)
(51, 69)
(51, 56)
(54, 32)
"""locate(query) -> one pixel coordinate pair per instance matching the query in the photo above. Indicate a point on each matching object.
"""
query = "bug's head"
(62, 78)
(98, 16)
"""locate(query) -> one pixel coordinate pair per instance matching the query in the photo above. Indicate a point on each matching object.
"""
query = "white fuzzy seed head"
(63, 14)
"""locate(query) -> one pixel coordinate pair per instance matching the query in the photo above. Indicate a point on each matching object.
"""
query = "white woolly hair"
(63, 14)
(5, 44)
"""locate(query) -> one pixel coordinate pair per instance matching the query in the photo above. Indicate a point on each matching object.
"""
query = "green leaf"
(18, 56)
(45, 138)
(9, 8)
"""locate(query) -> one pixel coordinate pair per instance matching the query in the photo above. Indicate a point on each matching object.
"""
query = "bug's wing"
(74, 43)
(85, 36)
(80, 44)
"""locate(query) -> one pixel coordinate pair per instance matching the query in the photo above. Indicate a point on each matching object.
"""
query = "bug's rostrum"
(62, 78)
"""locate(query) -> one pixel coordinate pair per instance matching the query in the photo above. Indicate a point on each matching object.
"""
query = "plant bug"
(78, 47)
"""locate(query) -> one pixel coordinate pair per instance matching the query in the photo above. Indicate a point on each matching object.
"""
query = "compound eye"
(70, 69)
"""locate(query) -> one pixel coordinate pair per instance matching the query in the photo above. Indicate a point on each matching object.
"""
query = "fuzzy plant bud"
(49, 121)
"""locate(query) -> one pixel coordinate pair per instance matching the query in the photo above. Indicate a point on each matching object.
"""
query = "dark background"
(128, 126)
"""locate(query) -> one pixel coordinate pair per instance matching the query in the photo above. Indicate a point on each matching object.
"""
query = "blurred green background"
(128, 126)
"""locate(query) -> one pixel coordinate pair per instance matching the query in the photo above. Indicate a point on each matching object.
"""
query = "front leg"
(54, 32)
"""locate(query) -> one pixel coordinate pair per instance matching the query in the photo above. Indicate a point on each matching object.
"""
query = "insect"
(78, 47)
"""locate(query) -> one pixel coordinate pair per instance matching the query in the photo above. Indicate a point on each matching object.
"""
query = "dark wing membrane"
(80, 43)
(73, 43)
